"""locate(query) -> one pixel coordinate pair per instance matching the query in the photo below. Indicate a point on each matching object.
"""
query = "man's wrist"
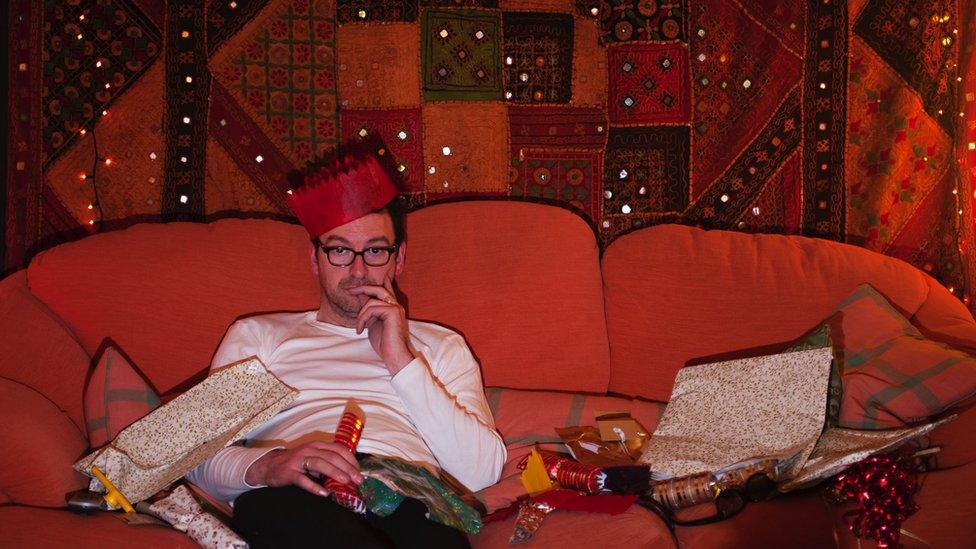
(256, 474)
(399, 362)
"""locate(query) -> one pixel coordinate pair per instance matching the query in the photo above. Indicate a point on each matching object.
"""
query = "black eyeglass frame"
(391, 251)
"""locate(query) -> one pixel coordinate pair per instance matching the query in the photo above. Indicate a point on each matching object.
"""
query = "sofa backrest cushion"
(677, 294)
(166, 293)
(521, 282)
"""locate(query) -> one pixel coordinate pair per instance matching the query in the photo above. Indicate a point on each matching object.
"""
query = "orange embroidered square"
(465, 147)
(378, 65)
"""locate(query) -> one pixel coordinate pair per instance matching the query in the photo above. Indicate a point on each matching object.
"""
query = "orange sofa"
(525, 283)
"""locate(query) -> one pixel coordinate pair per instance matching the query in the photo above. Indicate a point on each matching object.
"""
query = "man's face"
(373, 230)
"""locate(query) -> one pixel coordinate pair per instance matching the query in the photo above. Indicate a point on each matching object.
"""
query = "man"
(417, 383)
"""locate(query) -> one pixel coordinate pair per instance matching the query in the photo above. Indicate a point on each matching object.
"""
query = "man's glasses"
(342, 256)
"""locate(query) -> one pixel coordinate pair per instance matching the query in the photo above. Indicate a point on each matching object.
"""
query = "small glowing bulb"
(105, 113)
(81, 17)
(108, 161)
(83, 131)
(98, 63)
(107, 85)
(91, 221)
(91, 207)
(446, 151)
(259, 159)
(189, 79)
(82, 176)
(184, 199)
(80, 36)
(186, 119)
(185, 34)
(724, 198)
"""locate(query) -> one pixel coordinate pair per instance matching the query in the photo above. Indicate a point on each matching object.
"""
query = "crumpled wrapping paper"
(182, 511)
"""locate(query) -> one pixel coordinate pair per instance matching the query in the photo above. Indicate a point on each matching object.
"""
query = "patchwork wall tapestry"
(852, 120)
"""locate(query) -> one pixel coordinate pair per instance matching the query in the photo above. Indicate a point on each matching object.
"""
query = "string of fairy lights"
(949, 40)
(91, 176)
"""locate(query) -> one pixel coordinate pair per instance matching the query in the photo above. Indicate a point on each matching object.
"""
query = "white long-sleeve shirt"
(432, 412)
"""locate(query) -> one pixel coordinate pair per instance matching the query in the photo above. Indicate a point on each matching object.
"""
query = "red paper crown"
(345, 191)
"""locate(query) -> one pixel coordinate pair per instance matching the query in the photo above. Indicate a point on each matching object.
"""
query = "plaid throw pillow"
(892, 375)
(115, 397)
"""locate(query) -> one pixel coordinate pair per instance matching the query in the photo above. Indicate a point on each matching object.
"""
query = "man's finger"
(373, 310)
(310, 485)
(335, 448)
(333, 465)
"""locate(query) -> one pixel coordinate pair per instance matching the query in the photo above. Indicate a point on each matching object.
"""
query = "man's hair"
(397, 209)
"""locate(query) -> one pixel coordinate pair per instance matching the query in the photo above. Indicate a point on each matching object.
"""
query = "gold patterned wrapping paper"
(723, 413)
(840, 448)
(163, 446)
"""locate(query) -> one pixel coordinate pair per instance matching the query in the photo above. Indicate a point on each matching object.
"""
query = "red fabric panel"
(521, 282)
(26, 527)
(166, 293)
(40, 443)
(37, 350)
(677, 293)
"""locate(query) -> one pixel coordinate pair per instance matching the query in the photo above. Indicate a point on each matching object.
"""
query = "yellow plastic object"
(534, 477)
(113, 496)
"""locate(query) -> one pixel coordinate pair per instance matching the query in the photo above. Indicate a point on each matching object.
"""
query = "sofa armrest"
(38, 350)
(39, 446)
(957, 437)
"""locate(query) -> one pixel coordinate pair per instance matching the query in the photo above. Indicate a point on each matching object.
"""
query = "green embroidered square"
(461, 55)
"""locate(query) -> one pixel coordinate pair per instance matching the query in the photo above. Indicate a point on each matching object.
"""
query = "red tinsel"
(885, 490)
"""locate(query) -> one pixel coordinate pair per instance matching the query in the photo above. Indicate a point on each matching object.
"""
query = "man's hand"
(287, 467)
(387, 324)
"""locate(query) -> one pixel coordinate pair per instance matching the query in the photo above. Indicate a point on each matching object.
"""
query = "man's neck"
(330, 316)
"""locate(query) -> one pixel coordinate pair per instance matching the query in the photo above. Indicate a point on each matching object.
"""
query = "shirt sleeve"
(222, 475)
(452, 415)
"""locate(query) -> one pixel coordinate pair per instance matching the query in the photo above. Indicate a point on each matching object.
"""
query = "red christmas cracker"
(572, 474)
(348, 433)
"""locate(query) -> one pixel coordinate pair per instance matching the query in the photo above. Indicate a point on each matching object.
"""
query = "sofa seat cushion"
(29, 527)
(525, 418)
(635, 528)
(676, 294)
(796, 520)
(40, 443)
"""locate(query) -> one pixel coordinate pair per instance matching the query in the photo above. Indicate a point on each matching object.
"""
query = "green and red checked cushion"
(892, 375)
(116, 396)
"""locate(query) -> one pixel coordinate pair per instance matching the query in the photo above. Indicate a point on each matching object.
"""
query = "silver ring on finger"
(389, 300)
(305, 465)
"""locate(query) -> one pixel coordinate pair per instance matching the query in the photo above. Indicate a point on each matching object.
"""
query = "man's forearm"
(223, 475)
(465, 446)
